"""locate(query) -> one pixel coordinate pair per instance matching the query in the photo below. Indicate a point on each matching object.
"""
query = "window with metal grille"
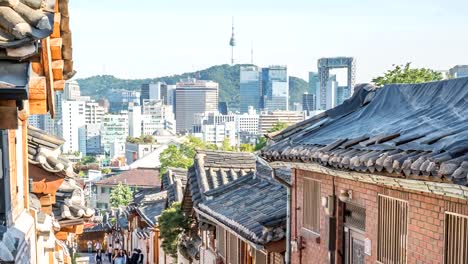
(233, 248)
(221, 241)
(311, 205)
(456, 238)
(392, 230)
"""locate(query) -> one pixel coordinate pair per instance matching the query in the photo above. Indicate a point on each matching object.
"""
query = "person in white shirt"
(90, 246)
(98, 245)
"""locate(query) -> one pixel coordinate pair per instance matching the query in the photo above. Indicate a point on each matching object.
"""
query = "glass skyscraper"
(275, 88)
(250, 88)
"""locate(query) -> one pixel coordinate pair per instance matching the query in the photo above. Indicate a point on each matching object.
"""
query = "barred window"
(456, 238)
(392, 230)
(311, 205)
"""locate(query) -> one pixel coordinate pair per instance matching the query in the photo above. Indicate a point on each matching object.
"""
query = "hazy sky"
(151, 38)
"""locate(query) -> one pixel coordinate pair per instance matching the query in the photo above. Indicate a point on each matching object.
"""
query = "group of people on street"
(116, 255)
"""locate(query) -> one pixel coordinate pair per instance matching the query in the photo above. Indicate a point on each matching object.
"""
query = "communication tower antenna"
(232, 42)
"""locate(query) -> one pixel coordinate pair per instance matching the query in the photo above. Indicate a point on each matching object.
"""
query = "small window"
(392, 230)
(311, 205)
(456, 238)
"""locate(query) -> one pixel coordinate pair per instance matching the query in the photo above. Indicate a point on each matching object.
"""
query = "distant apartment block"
(247, 126)
(275, 86)
(250, 88)
(121, 99)
(459, 71)
(192, 97)
(269, 118)
(213, 128)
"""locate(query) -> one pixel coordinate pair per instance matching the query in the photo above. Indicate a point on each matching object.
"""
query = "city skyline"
(287, 33)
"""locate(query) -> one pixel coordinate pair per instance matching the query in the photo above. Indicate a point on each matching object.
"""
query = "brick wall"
(425, 225)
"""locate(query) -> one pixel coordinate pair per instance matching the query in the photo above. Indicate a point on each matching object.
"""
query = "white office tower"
(114, 133)
(247, 126)
(71, 91)
(269, 118)
(156, 116)
(73, 120)
(134, 121)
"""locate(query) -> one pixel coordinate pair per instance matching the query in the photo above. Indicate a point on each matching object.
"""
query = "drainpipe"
(296, 208)
(288, 217)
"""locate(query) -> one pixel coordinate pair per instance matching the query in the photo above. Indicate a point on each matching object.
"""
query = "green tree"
(405, 74)
(262, 141)
(226, 145)
(121, 195)
(81, 174)
(247, 148)
(278, 126)
(88, 159)
(176, 157)
(106, 171)
(172, 223)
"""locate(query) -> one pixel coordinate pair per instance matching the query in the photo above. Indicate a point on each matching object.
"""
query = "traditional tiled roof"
(417, 131)
(44, 151)
(99, 224)
(253, 206)
(213, 169)
(189, 245)
(70, 203)
(174, 182)
(151, 206)
(23, 22)
(138, 177)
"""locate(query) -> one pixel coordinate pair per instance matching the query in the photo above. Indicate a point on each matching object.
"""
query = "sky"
(153, 38)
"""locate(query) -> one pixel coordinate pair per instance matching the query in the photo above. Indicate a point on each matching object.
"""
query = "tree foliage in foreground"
(182, 156)
(172, 223)
(406, 74)
(262, 140)
(121, 195)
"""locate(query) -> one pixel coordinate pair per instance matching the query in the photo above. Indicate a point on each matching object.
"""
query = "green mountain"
(227, 76)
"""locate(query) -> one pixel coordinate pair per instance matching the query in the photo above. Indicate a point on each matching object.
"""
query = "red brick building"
(382, 178)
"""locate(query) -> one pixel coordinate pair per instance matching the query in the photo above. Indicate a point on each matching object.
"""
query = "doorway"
(354, 234)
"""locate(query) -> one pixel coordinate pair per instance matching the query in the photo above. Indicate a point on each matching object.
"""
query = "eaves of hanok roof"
(44, 152)
(253, 207)
(411, 131)
(151, 207)
(174, 182)
(213, 169)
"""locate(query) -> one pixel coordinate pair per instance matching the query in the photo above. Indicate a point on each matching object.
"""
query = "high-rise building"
(192, 97)
(71, 91)
(459, 71)
(308, 102)
(328, 94)
(250, 88)
(167, 94)
(93, 139)
(114, 133)
(313, 82)
(269, 118)
(275, 88)
(134, 121)
(152, 91)
(73, 124)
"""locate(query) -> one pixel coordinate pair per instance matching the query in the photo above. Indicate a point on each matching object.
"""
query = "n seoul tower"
(232, 42)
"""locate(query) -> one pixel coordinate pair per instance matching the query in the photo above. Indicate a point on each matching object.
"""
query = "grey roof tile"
(411, 130)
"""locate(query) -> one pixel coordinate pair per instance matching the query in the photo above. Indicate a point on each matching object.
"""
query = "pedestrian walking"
(141, 256)
(98, 257)
(109, 253)
(90, 246)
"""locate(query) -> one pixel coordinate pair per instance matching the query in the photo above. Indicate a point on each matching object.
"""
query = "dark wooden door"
(354, 247)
